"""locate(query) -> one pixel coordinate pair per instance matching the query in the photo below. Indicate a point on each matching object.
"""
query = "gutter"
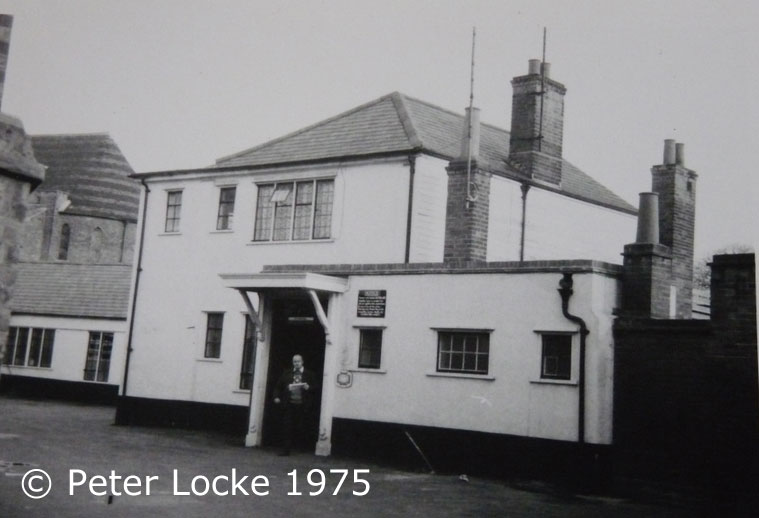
(565, 290)
(412, 173)
(120, 418)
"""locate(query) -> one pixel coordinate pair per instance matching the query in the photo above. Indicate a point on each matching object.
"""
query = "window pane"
(557, 357)
(226, 208)
(104, 364)
(35, 348)
(93, 352)
(46, 359)
(303, 202)
(10, 346)
(323, 211)
(21, 341)
(463, 352)
(248, 355)
(370, 348)
(264, 210)
(282, 212)
(213, 335)
(173, 210)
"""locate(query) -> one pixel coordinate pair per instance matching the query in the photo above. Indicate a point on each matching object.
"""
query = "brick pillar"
(646, 280)
(676, 186)
(733, 297)
(466, 221)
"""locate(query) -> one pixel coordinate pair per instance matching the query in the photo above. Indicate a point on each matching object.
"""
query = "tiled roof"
(75, 290)
(398, 123)
(93, 171)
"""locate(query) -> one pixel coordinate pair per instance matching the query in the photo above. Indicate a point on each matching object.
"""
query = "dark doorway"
(295, 330)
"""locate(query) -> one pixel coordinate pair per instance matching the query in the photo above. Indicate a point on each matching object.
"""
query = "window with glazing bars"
(173, 210)
(295, 211)
(98, 363)
(226, 208)
(33, 349)
(463, 351)
(213, 335)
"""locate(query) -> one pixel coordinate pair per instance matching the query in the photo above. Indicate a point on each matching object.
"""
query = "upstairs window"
(63, 245)
(294, 211)
(173, 210)
(466, 352)
(226, 208)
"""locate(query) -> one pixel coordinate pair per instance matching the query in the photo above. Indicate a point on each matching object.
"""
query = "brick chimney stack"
(468, 206)
(676, 186)
(647, 266)
(537, 122)
(6, 23)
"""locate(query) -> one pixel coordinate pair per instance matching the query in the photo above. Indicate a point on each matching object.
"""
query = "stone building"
(68, 322)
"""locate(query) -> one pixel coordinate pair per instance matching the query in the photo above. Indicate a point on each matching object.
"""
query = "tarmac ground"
(89, 460)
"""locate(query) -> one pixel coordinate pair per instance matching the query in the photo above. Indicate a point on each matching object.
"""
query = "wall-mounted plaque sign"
(371, 303)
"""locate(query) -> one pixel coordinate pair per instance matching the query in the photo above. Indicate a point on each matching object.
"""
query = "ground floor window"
(98, 363)
(248, 355)
(370, 348)
(32, 347)
(463, 351)
(556, 357)
(214, 326)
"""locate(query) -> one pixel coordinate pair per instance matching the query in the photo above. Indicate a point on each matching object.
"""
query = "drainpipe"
(525, 187)
(412, 172)
(565, 290)
(120, 418)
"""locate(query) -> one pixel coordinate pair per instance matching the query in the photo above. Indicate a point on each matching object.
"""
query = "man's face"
(297, 362)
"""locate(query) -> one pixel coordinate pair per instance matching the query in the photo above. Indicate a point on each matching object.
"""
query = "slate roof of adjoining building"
(72, 290)
(397, 123)
(94, 173)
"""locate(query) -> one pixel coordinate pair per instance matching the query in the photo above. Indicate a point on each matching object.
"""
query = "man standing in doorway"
(294, 391)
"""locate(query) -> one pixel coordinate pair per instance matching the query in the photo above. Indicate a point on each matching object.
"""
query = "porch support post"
(260, 357)
(324, 443)
(321, 315)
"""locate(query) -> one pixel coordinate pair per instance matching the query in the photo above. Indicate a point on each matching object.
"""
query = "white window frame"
(276, 198)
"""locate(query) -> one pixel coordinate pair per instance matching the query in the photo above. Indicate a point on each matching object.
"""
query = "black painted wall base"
(582, 466)
(30, 386)
(231, 419)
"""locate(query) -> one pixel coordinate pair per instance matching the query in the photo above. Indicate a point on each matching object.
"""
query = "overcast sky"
(179, 83)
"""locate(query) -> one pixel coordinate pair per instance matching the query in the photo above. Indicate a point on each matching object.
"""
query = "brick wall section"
(646, 280)
(466, 224)
(686, 395)
(525, 115)
(676, 187)
(733, 298)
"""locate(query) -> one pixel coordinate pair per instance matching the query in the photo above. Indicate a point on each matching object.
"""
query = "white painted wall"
(428, 220)
(505, 220)
(514, 401)
(70, 347)
(180, 283)
(559, 227)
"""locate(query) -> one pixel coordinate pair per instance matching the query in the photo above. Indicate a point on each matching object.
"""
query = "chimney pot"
(669, 151)
(648, 218)
(534, 67)
(680, 154)
(546, 70)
